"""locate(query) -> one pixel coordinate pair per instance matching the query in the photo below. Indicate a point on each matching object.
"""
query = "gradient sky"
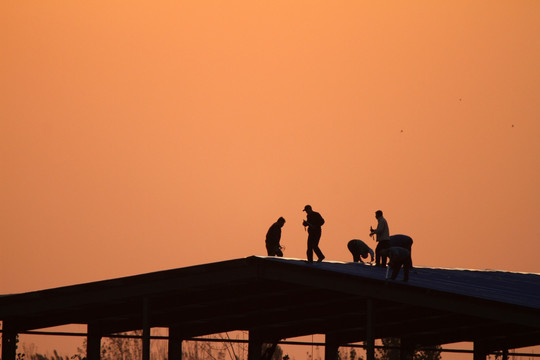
(139, 136)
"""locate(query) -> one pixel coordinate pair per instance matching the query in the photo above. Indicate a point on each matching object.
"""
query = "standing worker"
(313, 221)
(273, 236)
(383, 238)
(359, 250)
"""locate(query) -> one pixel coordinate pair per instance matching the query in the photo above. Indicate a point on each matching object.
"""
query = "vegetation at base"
(391, 351)
(126, 348)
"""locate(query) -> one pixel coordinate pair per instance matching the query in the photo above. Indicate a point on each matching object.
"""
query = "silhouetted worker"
(273, 236)
(383, 238)
(399, 257)
(359, 250)
(402, 241)
(313, 221)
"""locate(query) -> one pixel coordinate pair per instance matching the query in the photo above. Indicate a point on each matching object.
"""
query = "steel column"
(93, 342)
(480, 352)
(175, 344)
(146, 331)
(370, 339)
(9, 342)
(331, 348)
(254, 346)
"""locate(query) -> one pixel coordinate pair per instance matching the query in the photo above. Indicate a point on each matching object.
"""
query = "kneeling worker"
(359, 250)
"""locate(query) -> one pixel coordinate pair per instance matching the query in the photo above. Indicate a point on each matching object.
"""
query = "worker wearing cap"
(314, 221)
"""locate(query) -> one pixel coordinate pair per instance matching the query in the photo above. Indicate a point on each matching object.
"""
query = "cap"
(307, 207)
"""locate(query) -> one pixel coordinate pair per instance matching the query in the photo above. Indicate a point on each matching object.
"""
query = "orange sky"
(139, 136)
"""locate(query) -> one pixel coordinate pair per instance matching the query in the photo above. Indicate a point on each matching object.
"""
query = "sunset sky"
(139, 136)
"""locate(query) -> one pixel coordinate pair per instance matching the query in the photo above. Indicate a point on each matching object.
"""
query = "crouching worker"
(359, 250)
(399, 257)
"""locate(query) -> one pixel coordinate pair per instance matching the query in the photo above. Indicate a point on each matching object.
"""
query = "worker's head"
(307, 209)
(281, 221)
(369, 252)
(378, 213)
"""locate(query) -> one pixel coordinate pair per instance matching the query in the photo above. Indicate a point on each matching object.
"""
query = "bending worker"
(273, 236)
(402, 241)
(359, 250)
(399, 257)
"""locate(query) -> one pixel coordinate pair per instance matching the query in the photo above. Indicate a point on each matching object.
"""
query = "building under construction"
(275, 298)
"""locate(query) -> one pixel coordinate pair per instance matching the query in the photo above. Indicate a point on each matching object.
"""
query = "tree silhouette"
(346, 353)
(391, 351)
(117, 348)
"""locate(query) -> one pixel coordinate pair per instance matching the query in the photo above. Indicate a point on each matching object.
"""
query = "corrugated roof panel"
(502, 286)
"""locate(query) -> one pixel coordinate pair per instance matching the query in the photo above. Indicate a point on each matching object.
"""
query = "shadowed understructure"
(278, 298)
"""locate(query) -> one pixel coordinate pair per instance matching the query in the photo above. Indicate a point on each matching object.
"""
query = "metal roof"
(284, 298)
